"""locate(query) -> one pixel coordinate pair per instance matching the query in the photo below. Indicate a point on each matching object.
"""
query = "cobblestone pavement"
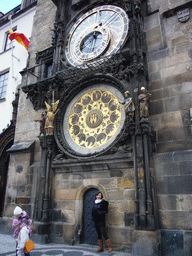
(7, 248)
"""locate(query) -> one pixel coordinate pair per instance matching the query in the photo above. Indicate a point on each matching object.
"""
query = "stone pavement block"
(7, 248)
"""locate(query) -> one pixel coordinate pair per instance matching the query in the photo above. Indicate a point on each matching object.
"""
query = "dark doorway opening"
(4, 164)
(89, 232)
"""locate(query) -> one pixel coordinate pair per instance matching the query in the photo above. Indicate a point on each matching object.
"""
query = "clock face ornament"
(93, 119)
(99, 32)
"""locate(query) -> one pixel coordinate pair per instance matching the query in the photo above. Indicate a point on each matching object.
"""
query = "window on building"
(25, 3)
(7, 40)
(48, 69)
(3, 84)
(45, 60)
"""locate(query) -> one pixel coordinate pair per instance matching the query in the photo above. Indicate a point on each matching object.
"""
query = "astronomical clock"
(98, 53)
(94, 136)
(92, 117)
(99, 32)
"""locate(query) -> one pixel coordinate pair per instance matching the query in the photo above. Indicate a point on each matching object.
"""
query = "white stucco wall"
(24, 23)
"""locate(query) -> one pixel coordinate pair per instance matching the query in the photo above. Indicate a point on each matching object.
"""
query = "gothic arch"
(79, 202)
(6, 141)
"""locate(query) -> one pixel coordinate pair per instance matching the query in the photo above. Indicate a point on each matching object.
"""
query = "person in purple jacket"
(22, 216)
(21, 234)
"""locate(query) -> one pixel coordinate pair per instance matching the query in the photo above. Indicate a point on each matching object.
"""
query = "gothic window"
(8, 42)
(47, 69)
(45, 61)
(3, 84)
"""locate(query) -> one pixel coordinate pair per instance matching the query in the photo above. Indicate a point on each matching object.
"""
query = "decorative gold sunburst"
(94, 118)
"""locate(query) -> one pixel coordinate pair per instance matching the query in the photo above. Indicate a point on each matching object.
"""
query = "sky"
(7, 5)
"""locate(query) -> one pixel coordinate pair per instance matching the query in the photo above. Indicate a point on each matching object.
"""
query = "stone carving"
(42, 124)
(143, 99)
(60, 28)
(128, 105)
(117, 66)
(137, 4)
(183, 15)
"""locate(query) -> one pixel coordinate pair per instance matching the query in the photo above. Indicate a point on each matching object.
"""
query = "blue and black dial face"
(99, 32)
(91, 42)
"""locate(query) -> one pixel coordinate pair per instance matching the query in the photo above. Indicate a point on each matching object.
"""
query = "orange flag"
(20, 38)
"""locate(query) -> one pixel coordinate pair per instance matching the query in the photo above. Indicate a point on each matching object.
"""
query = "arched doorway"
(89, 232)
(4, 163)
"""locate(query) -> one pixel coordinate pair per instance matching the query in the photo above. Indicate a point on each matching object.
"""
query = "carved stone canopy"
(118, 66)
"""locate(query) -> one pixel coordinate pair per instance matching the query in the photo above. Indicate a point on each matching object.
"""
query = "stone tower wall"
(169, 43)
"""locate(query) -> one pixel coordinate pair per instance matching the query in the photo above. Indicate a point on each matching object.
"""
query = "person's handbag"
(29, 246)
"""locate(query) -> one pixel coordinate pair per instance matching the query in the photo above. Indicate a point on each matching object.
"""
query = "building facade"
(13, 58)
(116, 78)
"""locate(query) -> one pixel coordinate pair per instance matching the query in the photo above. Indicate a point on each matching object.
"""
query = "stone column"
(145, 126)
(42, 212)
(46, 203)
(140, 192)
(41, 180)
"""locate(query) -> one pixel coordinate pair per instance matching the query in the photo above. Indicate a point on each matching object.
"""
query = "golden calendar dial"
(93, 119)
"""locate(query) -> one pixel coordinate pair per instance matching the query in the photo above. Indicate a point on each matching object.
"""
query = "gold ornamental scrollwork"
(94, 118)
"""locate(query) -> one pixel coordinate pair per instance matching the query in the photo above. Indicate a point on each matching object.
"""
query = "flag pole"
(12, 61)
(12, 71)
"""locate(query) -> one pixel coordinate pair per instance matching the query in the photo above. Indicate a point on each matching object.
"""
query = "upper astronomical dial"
(92, 44)
(99, 32)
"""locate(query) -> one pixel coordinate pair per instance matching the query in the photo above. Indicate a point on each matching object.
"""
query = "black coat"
(98, 213)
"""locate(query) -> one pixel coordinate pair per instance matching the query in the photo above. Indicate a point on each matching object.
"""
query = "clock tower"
(106, 105)
(101, 139)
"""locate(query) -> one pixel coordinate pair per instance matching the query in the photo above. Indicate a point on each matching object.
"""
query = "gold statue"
(51, 112)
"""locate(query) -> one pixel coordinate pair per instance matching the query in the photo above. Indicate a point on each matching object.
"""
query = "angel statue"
(51, 112)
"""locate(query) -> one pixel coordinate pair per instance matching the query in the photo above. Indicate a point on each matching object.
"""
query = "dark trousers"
(101, 232)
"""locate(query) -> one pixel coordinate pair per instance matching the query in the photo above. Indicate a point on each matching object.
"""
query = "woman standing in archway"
(100, 209)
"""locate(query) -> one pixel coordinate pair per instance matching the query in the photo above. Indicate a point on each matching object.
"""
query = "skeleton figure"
(42, 123)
